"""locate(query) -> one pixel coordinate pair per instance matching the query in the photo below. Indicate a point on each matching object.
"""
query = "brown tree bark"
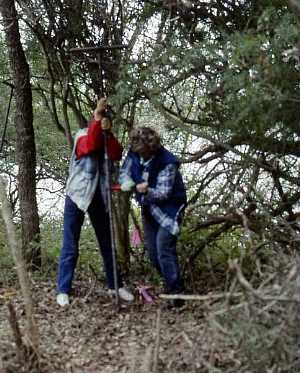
(25, 144)
(121, 212)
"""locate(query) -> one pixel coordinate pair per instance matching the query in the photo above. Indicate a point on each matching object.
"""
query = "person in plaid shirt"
(153, 172)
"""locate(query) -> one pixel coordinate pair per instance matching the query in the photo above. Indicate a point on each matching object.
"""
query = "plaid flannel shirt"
(161, 192)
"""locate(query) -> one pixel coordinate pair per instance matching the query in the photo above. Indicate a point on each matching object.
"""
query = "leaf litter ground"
(90, 336)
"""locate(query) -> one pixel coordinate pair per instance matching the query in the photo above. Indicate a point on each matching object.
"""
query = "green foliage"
(89, 255)
(256, 95)
(220, 251)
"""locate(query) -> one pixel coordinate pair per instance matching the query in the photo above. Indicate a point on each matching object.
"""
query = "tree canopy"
(218, 79)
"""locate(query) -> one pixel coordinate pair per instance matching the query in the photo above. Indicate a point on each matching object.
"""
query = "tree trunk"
(122, 208)
(25, 144)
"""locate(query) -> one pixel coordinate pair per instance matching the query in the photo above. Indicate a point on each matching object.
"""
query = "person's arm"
(164, 185)
(92, 141)
(125, 178)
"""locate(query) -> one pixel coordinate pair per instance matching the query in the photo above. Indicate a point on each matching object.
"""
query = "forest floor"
(91, 336)
(250, 331)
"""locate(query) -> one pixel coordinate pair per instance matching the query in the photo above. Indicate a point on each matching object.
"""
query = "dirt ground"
(90, 336)
(254, 330)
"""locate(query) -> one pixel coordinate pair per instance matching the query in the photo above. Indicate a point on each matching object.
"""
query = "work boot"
(124, 294)
(176, 303)
(62, 299)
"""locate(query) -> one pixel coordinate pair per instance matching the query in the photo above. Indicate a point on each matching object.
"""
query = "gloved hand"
(127, 185)
(142, 187)
(100, 108)
(106, 124)
(101, 105)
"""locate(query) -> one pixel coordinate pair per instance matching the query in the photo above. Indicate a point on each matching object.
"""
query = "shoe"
(62, 299)
(124, 294)
(176, 303)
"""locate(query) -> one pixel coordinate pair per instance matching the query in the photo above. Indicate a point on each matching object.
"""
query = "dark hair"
(144, 138)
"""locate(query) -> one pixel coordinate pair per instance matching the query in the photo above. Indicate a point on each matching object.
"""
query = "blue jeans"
(161, 247)
(73, 220)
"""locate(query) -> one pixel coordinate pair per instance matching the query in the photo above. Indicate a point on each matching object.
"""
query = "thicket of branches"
(218, 79)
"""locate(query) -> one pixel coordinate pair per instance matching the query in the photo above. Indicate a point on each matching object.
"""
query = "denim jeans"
(73, 220)
(161, 247)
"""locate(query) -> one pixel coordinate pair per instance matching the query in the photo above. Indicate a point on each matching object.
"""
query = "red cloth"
(94, 141)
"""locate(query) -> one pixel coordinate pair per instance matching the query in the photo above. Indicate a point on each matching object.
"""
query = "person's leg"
(100, 221)
(150, 232)
(167, 257)
(73, 220)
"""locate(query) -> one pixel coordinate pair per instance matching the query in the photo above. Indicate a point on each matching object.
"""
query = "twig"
(90, 291)
(13, 322)
(2, 368)
(94, 272)
(92, 287)
(147, 360)
(242, 280)
(157, 342)
(228, 309)
(185, 337)
(217, 325)
(200, 297)
(134, 355)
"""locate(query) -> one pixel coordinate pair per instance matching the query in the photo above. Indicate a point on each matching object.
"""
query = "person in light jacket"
(85, 192)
